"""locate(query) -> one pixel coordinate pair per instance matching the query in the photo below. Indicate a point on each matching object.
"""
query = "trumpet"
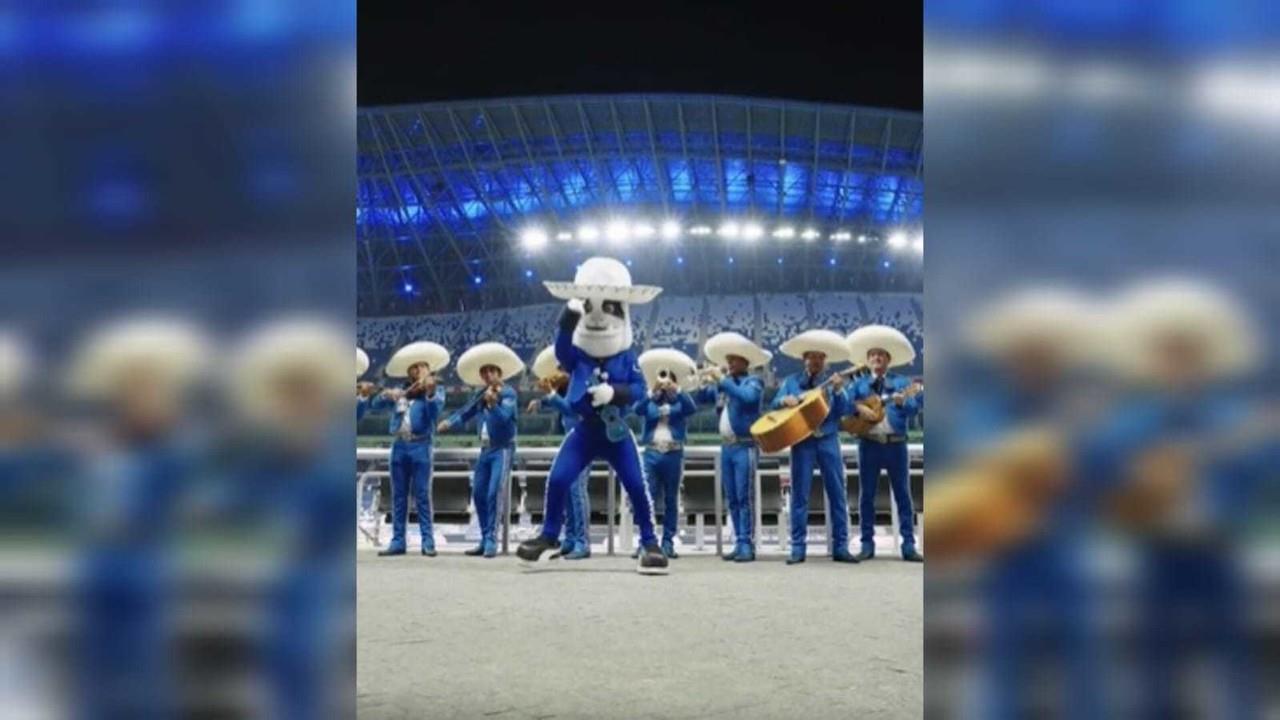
(711, 374)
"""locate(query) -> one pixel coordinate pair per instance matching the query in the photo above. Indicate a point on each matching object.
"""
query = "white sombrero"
(545, 365)
(362, 362)
(1147, 314)
(15, 364)
(883, 337)
(166, 353)
(433, 354)
(720, 346)
(295, 350)
(673, 361)
(830, 343)
(1058, 319)
(604, 279)
(490, 353)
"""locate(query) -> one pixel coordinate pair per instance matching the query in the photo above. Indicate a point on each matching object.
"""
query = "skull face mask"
(605, 327)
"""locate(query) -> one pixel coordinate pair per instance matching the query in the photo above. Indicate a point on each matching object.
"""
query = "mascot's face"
(605, 327)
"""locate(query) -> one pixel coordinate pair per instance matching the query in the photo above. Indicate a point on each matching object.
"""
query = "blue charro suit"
(663, 470)
(742, 397)
(590, 438)
(577, 525)
(497, 428)
(411, 462)
(823, 450)
(890, 456)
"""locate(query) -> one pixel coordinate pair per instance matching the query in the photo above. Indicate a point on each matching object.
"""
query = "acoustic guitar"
(858, 425)
(784, 427)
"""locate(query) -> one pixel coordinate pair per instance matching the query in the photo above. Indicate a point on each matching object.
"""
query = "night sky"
(864, 54)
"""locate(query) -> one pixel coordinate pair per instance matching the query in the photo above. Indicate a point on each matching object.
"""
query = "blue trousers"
(825, 453)
(586, 442)
(737, 478)
(577, 523)
(891, 457)
(492, 470)
(663, 472)
(410, 468)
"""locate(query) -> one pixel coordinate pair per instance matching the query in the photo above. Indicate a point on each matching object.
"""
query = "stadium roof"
(471, 204)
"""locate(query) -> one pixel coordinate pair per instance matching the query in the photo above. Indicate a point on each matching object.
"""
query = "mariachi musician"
(488, 366)
(817, 348)
(884, 445)
(665, 411)
(554, 381)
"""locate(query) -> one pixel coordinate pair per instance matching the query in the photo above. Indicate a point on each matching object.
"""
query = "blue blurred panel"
(680, 180)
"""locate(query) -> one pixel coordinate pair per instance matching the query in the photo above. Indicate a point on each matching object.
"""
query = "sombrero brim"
(655, 360)
(865, 339)
(828, 343)
(362, 362)
(632, 294)
(434, 355)
(718, 348)
(496, 354)
(544, 366)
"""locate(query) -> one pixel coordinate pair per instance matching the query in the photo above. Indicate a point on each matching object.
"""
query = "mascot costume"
(593, 345)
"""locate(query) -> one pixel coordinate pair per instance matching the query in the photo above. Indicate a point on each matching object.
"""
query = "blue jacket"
(566, 418)
(422, 413)
(679, 408)
(622, 371)
(800, 383)
(893, 383)
(499, 420)
(745, 398)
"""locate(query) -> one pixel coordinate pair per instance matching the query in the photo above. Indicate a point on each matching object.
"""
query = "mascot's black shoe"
(652, 561)
(537, 549)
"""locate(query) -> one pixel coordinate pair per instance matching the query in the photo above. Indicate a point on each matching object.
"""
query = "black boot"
(652, 561)
(539, 548)
(475, 551)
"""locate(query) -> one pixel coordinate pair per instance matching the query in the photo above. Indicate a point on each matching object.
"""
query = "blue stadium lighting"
(588, 233)
(779, 261)
(752, 231)
(730, 259)
(617, 232)
(477, 280)
(528, 273)
(564, 236)
(642, 231)
(699, 230)
(679, 259)
(810, 234)
(831, 262)
(786, 232)
(728, 230)
(898, 240)
(670, 230)
(862, 239)
(886, 264)
(533, 239)
(408, 287)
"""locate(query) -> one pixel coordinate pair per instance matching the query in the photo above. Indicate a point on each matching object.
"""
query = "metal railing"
(599, 469)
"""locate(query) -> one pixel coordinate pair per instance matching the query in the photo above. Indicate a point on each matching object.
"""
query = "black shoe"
(635, 553)
(390, 552)
(730, 556)
(912, 556)
(429, 551)
(865, 555)
(844, 557)
(539, 548)
(475, 551)
(652, 561)
(795, 558)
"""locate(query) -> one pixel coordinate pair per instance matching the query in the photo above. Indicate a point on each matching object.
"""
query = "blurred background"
(176, 290)
(1102, 315)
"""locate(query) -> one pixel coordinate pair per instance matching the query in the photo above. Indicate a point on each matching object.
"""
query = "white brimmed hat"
(827, 342)
(165, 352)
(603, 278)
(300, 348)
(720, 346)
(490, 353)
(362, 362)
(433, 354)
(545, 365)
(673, 361)
(1059, 319)
(883, 337)
(1148, 313)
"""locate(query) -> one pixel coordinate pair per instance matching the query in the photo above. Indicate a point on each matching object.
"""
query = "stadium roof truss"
(446, 189)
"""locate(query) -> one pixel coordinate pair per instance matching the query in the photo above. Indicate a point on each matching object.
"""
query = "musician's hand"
(865, 412)
(392, 394)
(600, 394)
(442, 426)
(837, 382)
(791, 401)
(533, 407)
(898, 399)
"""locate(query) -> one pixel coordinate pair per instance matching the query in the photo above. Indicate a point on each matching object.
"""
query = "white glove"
(600, 394)
(575, 306)
(664, 410)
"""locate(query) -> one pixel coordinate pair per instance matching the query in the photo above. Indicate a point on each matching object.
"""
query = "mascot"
(593, 345)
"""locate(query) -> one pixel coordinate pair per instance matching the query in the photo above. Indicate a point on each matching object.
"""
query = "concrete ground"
(460, 637)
